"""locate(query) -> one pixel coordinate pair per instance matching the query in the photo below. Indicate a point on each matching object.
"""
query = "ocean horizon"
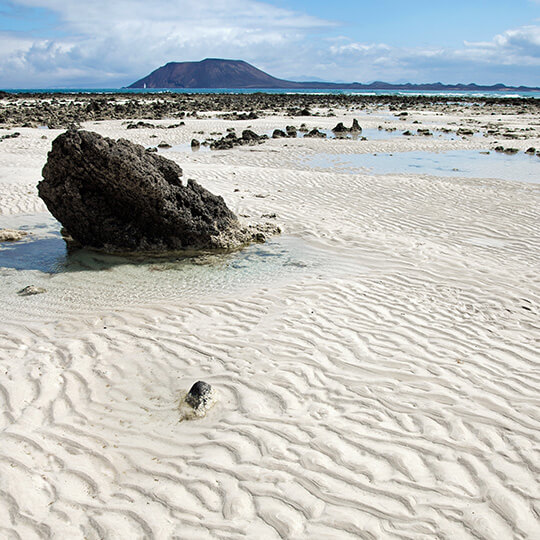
(321, 91)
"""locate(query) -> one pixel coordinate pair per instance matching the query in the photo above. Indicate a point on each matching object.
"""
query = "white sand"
(395, 398)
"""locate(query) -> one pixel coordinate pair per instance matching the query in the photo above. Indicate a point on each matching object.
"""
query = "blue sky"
(110, 43)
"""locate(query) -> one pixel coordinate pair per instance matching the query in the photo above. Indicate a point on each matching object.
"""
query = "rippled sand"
(388, 391)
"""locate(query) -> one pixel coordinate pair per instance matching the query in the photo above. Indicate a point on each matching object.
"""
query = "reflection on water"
(456, 163)
(85, 279)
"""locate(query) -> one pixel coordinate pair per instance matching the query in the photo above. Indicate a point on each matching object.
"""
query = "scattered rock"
(511, 150)
(116, 196)
(164, 144)
(31, 290)
(278, 134)
(140, 125)
(424, 132)
(464, 131)
(10, 136)
(195, 144)
(530, 150)
(407, 133)
(11, 235)
(499, 149)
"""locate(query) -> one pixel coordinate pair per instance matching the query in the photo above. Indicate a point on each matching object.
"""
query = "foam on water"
(85, 280)
(456, 163)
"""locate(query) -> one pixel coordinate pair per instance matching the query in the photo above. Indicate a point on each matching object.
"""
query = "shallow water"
(368, 133)
(456, 163)
(185, 148)
(84, 280)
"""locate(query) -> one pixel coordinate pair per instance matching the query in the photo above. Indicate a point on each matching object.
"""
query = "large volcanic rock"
(116, 196)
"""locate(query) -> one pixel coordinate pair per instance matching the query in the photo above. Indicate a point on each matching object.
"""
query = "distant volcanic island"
(219, 73)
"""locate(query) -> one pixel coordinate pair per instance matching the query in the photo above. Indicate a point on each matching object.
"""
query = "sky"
(112, 43)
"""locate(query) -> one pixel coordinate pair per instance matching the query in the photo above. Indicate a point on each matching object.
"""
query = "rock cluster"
(231, 140)
(116, 196)
(341, 129)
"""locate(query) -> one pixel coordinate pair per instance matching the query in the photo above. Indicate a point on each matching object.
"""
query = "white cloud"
(117, 42)
(514, 53)
(114, 42)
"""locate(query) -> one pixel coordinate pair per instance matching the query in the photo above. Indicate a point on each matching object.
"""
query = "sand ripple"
(397, 398)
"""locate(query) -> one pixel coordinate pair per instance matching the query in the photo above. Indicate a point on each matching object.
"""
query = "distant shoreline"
(512, 94)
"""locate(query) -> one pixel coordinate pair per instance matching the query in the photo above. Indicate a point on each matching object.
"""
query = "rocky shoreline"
(57, 111)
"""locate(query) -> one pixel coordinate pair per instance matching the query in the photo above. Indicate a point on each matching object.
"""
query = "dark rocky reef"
(116, 196)
(63, 110)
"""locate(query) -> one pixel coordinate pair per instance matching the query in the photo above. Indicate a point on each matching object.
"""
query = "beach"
(376, 377)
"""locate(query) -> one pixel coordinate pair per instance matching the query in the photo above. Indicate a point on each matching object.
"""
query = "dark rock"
(316, 133)
(291, 131)
(200, 397)
(340, 128)
(164, 144)
(530, 150)
(278, 134)
(356, 126)
(424, 132)
(116, 196)
(511, 150)
(222, 144)
(140, 125)
(464, 131)
(195, 143)
(499, 149)
(407, 133)
(249, 135)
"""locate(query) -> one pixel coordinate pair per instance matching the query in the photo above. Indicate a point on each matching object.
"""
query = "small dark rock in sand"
(164, 144)
(200, 397)
(195, 144)
(530, 150)
(117, 196)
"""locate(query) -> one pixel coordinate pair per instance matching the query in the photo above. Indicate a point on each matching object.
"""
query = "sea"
(457, 94)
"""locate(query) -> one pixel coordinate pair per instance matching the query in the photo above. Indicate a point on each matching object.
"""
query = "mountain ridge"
(223, 73)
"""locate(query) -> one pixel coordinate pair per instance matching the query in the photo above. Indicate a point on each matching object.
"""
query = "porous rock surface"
(116, 196)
